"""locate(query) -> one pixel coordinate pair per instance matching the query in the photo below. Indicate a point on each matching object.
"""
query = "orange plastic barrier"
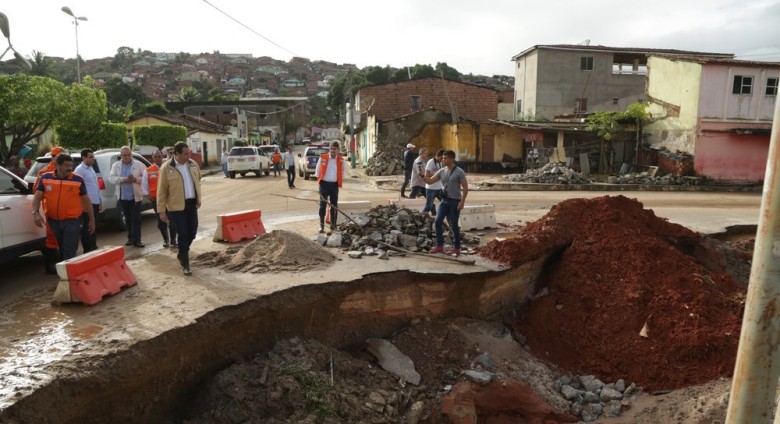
(237, 226)
(96, 274)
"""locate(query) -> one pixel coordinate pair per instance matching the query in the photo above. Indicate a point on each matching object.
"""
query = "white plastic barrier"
(478, 217)
(354, 207)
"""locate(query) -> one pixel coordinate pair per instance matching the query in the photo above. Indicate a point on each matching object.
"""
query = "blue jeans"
(67, 233)
(448, 208)
(132, 211)
(430, 196)
(224, 169)
(417, 191)
(186, 223)
(291, 176)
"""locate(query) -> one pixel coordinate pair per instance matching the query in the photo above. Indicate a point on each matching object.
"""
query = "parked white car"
(245, 159)
(18, 233)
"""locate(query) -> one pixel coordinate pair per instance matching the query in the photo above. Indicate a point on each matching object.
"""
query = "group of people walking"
(437, 178)
(278, 161)
(70, 201)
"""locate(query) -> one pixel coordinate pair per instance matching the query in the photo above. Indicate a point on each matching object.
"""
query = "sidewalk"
(495, 182)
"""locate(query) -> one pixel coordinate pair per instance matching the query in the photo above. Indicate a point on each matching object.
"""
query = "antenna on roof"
(585, 42)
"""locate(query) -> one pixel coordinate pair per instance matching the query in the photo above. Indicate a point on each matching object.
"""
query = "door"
(488, 148)
(17, 225)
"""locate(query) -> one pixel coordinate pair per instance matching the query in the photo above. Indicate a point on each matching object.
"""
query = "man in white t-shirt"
(431, 190)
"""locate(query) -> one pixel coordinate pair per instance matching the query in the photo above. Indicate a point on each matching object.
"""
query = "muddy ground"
(627, 295)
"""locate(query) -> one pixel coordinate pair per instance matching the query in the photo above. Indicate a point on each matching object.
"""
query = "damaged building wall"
(673, 104)
(506, 140)
(462, 139)
(729, 157)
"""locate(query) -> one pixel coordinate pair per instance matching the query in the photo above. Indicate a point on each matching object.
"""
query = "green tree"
(120, 113)
(155, 108)
(124, 57)
(85, 112)
(42, 65)
(215, 95)
(344, 86)
(447, 72)
(181, 58)
(189, 94)
(376, 75)
(607, 124)
(29, 106)
(118, 93)
(159, 135)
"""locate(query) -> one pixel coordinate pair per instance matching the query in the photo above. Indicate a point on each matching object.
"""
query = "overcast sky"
(472, 36)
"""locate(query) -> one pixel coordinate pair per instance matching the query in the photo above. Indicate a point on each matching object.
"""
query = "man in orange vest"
(149, 189)
(66, 199)
(276, 158)
(330, 173)
(50, 250)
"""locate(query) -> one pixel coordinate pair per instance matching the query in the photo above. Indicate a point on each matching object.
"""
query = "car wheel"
(258, 173)
(267, 172)
(118, 219)
(232, 174)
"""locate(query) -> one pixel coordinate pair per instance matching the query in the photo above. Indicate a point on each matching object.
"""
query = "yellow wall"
(506, 139)
(145, 121)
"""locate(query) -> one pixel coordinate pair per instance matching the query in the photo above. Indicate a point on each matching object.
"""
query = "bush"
(107, 135)
(159, 135)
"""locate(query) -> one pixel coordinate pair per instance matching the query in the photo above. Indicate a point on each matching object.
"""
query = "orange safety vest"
(152, 176)
(62, 196)
(276, 158)
(324, 166)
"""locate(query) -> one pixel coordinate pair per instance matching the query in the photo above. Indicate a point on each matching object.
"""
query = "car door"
(17, 225)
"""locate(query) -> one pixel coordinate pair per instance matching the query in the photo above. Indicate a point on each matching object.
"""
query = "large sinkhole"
(616, 293)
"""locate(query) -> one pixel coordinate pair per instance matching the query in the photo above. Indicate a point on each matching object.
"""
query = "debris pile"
(633, 295)
(590, 398)
(551, 173)
(646, 179)
(371, 232)
(276, 251)
(384, 164)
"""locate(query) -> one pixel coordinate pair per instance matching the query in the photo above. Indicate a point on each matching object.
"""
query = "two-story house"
(562, 79)
(718, 110)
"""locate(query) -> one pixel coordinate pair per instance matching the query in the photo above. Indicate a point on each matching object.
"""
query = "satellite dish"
(586, 42)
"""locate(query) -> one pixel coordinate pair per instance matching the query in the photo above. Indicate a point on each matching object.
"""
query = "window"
(742, 85)
(615, 100)
(771, 86)
(519, 107)
(586, 63)
(580, 104)
(415, 102)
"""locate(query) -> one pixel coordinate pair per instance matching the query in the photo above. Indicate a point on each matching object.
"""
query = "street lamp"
(76, 20)
(6, 30)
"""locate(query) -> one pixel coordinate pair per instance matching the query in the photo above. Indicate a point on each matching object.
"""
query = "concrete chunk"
(393, 360)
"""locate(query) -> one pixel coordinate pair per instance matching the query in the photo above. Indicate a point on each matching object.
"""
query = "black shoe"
(293, 186)
(166, 244)
(186, 269)
(174, 245)
(128, 243)
(139, 244)
(404, 196)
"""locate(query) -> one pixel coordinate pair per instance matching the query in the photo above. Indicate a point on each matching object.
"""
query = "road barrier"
(90, 277)
(478, 217)
(237, 226)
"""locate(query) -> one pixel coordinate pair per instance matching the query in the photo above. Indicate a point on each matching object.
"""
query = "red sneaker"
(454, 251)
(437, 249)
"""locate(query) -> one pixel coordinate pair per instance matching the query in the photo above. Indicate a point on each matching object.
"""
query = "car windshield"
(242, 151)
(43, 162)
(316, 152)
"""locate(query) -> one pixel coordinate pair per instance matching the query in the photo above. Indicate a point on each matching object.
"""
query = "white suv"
(244, 159)
(18, 233)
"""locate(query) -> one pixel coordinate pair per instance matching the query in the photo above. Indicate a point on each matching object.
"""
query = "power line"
(250, 29)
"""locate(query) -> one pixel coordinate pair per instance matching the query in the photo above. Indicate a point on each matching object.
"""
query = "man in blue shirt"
(86, 171)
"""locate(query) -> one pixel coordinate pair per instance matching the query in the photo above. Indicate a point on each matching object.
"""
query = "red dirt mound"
(620, 269)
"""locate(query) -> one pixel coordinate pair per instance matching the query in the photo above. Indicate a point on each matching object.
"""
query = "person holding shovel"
(330, 173)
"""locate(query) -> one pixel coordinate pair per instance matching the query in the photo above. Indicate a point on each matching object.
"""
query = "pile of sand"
(276, 251)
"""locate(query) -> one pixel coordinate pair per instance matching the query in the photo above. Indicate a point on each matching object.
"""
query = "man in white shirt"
(289, 165)
(330, 174)
(224, 162)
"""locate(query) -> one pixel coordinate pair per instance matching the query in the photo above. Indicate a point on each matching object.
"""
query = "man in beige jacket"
(126, 176)
(178, 194)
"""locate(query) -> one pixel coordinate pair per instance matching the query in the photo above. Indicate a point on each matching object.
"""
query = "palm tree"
(189, 94)
(41, 64)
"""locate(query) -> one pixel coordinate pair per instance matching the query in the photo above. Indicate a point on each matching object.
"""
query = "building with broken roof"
(561, 79)
(719, 110)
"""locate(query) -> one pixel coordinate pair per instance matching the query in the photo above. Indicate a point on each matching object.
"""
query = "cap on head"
(56, 150)
(410, 146)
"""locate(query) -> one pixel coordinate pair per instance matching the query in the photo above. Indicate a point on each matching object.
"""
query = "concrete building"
(562, 79)
(718, 110)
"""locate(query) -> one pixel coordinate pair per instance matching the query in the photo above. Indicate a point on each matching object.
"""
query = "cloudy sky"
(472, 36)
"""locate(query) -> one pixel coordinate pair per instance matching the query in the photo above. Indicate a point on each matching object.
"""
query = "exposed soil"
(622, 270)
(276, 251)
(619, 270)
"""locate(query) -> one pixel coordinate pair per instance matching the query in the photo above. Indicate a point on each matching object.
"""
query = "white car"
(245, 159)
(18, 233)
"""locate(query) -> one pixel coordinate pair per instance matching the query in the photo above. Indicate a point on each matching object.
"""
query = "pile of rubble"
(591, 398)
(384, 164)
(552, 173)
(372, 233)
(647, 179)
